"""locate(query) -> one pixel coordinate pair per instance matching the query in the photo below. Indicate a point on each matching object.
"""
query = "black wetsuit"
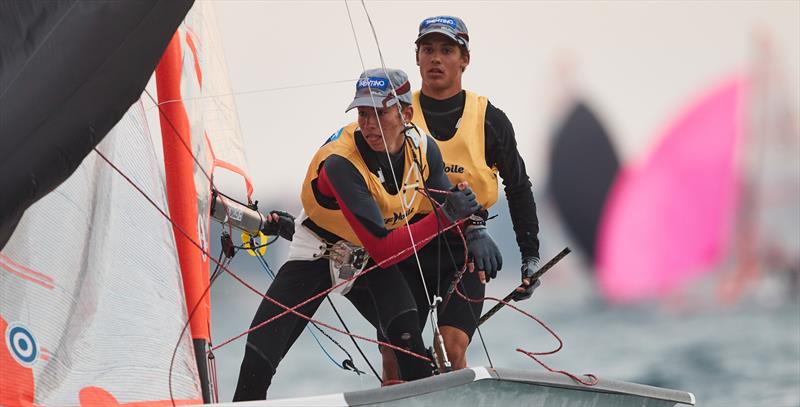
(381, 296)
(441, 117)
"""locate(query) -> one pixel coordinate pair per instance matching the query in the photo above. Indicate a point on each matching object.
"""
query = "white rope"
(248, 92)
(383, 137)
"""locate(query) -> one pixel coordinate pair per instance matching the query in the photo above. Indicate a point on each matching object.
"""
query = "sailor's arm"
(502, 152)
(340, 179)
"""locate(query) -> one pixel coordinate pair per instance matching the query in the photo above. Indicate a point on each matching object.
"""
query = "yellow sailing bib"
(464, 154)
(394, 208)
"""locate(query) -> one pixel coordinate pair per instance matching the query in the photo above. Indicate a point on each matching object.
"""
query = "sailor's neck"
(441, 94)
(455, 101)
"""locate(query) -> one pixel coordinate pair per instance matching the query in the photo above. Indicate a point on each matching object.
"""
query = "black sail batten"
(69, 70)
(583, 166)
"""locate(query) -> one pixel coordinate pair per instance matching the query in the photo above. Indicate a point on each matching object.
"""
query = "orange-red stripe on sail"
(22, 272)
(41, 276)
(197, 69)
(231, 167)
(181, 191)
(224, 164)
(98, 397)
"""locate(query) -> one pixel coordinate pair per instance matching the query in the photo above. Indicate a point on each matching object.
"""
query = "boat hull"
(497, 387)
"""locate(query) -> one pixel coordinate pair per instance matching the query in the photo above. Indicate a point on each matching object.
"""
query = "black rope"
(453, 262)
(336, 311)
(344, 365)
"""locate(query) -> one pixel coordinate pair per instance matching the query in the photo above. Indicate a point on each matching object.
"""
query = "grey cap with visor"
(451, 27)
(377, 87)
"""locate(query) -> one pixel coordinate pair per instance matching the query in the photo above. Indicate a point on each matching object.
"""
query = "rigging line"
(401, 193)
(453, 262)
(192, 241)
(349, 356)
(293, 309)
(263, 262)
(380, 55)
(208, 288)
(183, 142)
(247, 92)
(432, 302)
(422, 276)
(433, 312)
(592, 378)
(287, 309)
(336, 311)
(226, 269)
(458, 276)
(217, 271)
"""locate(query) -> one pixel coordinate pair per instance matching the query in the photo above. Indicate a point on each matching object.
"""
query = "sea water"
(746, 353)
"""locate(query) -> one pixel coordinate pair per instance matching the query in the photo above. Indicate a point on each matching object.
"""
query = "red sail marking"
(230, 167)
(25, 273)
(193, 47)
(16, 380)
(98, 397)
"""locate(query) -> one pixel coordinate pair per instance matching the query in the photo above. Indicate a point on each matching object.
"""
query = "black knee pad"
(404, 332)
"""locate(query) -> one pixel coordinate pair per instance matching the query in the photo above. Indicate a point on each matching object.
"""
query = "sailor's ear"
(408, 113)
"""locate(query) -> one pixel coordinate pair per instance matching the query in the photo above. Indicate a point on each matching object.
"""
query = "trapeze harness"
(340, 244)
(464, 153)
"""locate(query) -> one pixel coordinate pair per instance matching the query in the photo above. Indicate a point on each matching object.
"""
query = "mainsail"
(91, 298)
(96, 281)
(69, 70)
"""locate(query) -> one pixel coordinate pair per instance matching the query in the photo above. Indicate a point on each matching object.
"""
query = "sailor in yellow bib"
(395, 206)
(477, 143)
(359, 192)
(464, 153)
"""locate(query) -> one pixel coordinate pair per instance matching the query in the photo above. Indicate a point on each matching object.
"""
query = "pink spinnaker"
(669, 219)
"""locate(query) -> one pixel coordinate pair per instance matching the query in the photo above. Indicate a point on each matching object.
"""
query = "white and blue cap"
(377, 87)
(452, 27)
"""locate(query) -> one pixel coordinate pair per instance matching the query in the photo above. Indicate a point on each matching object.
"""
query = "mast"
(179, 166)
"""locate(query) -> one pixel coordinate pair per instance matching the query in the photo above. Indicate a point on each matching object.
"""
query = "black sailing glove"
(483, 251)
(459, 204)
(283, 227)
(525, 290)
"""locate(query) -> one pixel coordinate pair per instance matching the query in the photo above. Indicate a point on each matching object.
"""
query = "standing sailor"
(353, 207)
(477, 141)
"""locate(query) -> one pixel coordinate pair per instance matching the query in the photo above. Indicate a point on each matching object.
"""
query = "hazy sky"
(636, 63)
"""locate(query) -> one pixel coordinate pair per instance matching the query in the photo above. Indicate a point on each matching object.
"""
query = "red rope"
(460, 274)
(592, 378)
(294, 311)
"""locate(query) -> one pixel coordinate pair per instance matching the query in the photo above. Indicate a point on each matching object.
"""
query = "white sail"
(90, 279)
(92, 299)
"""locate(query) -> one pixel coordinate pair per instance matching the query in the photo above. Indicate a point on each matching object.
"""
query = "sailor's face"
(441, 63)
(379, 123)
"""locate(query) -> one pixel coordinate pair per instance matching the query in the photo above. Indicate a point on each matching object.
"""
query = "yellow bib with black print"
(464, 154)
(324, 211)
